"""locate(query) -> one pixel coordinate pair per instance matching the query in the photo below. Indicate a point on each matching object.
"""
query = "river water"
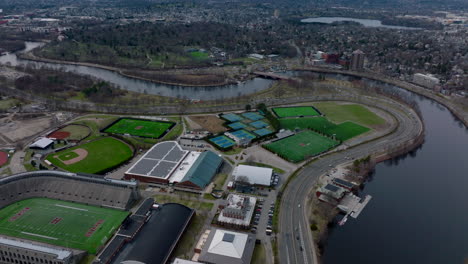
(364, 22)
(418, 211)
(136, 85)
(417, 214)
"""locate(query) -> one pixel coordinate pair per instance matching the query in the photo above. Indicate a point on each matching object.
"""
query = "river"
(137, 85)
(364, 22)
(417, 214)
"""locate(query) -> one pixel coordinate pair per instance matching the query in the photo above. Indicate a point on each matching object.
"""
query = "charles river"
(418, 211)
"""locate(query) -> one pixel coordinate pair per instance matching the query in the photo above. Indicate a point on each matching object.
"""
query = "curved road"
(295, 237)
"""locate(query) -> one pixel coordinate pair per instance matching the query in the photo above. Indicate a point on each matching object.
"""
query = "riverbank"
(144, 75)
(454, 109)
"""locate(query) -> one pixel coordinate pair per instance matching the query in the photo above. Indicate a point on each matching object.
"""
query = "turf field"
(339, 113)
(93, 157)
(61, 223)
(295, 111)
(139, 127)
(343, 131)
(77, 132)
(301, 146)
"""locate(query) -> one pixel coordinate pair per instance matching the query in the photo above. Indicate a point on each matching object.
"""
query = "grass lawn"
(199, 55)
(77, 132)
(219, 180)
(103, 153)
(259, 256)
(339, 113)
(346, 130)
(61, 223)
(301, 146)
(295, 111)
(139, 127)
(343, 131)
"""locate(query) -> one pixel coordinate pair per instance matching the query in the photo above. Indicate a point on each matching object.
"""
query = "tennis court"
(263, 132)
(243, 134)
(258, 124)
(252, 116)
(223, 141)
(237, 125)
(232, 117)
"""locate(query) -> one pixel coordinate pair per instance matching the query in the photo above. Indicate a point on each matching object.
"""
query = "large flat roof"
(159, 161)
(255, 175)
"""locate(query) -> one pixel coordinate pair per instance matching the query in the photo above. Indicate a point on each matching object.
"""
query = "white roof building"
(42, 143)
(254, 175)
(228, 247)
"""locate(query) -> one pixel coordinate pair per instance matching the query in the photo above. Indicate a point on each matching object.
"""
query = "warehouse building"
(253, 175)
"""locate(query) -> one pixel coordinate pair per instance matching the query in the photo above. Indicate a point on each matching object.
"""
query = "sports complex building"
(167, 163)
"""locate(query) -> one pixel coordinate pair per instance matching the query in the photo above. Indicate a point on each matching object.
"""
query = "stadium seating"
(72, 187)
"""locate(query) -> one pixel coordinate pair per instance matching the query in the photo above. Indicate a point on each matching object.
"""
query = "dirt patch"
(59, 135)
(82, 154)
(3, 158)
(210, 122)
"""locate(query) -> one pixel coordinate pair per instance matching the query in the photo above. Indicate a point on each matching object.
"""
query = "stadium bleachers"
(84, 189)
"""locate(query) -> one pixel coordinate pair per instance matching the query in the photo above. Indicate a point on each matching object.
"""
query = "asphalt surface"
(295, 237)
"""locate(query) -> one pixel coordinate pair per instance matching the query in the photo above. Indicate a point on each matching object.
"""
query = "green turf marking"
(138, 127)
(103, 153)
(301, 146)
(339, 113)
(60, 223)
(295, 111)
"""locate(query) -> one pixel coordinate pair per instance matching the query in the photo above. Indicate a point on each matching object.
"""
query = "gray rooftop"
(159, 161)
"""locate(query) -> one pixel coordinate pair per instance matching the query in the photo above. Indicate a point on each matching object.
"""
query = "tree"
(248, 107)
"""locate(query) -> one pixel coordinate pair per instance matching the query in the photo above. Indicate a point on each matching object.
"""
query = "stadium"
(62, 215)
(59, 218)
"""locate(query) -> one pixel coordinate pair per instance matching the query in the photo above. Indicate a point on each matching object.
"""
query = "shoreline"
(32, 57)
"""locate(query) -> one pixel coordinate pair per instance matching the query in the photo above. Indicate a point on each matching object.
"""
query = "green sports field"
(295, 111)
(139, 127)
(93, 157)
(343, 131)
(339, 113)
(61, 223)
(301, 146)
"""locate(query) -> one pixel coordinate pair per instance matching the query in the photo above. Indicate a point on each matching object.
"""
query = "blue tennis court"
(252, 116)
(258, 124)
(237, 125)
(223, 141)
(243, 134)
(232, 117)
(263, 132)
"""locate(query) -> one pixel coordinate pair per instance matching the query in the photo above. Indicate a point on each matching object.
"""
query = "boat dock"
(352, 205)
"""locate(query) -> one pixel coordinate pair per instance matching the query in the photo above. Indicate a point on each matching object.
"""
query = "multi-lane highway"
(295, 237)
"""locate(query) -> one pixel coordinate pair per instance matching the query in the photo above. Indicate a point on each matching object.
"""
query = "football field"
(301, 146)
(139, 127)
(61, 223)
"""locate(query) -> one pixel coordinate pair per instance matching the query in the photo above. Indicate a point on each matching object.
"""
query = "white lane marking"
(302, 245)
(71, 207)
